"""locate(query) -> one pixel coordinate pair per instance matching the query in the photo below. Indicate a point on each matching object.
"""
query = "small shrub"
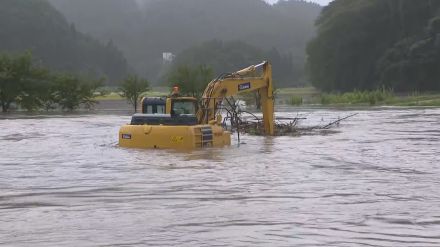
(132, 88)
(295, 100)
(358, 97)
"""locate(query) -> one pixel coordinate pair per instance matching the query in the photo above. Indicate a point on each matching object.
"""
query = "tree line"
(27, 85)
(32, 87)
(373, 44)
(144, 29)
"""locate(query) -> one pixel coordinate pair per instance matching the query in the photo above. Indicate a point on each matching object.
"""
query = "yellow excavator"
(176, 122)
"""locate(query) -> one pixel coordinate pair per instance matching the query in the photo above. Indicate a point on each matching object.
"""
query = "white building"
(167, 57)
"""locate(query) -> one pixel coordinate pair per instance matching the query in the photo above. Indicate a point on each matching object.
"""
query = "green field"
(311, 96)
(114, 95)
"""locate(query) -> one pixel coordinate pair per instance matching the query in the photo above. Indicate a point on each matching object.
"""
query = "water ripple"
(371, 182)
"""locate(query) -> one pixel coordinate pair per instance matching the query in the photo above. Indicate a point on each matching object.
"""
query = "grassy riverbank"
(113, 95)
(310, 96)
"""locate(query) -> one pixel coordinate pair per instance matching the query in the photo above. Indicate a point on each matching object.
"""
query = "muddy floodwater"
(373, 181)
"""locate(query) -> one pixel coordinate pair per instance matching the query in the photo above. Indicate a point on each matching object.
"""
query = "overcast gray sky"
(322, 2)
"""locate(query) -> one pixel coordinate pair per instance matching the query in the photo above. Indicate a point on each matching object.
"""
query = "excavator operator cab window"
(153, 106)
(184, 107)
(154, 109)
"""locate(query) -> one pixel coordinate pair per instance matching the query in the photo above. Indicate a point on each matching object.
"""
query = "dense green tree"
(132, 89)
(191, 81)
(37, 91)
(33, 87)
(19, 80)
(412, 64)
(71, 92)
(369, 44)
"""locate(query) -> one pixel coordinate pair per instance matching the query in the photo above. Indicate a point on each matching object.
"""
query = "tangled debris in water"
(239, 122)
(283, 126)
(288, 128)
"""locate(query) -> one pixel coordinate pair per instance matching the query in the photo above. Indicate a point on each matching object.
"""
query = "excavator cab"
(182, 106)
(174, 105)
(167, 111)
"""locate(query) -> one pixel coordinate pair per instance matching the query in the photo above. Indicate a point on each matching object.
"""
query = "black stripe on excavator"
(207, 136)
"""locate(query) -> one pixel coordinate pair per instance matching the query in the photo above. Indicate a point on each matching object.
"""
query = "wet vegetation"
(36, 26)
(232, 32)
(359, 97)
(359, 52)
(27, 85)
(373, 44)
(132, 89)
(227, 56)
(380, 97)
(191, 80)
(295, 100)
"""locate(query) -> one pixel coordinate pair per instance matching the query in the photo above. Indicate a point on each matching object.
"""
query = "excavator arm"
(243, 81)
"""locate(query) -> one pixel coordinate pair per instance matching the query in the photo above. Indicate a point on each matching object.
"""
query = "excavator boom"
(243, 81)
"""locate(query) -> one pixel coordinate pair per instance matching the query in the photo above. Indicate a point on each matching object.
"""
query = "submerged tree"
(71, 92)
(20, 80)
(34, 87)
(36, 90)
(132, 88)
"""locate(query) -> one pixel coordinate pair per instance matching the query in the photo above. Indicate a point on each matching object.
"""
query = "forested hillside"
(36, 26)
(229, 56)
(144, 29)
(369, 44)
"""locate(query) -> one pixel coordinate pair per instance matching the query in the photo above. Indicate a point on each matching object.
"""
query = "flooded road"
(374, 182)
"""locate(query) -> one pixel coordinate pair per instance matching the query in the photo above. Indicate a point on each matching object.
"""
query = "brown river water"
(373, 181)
